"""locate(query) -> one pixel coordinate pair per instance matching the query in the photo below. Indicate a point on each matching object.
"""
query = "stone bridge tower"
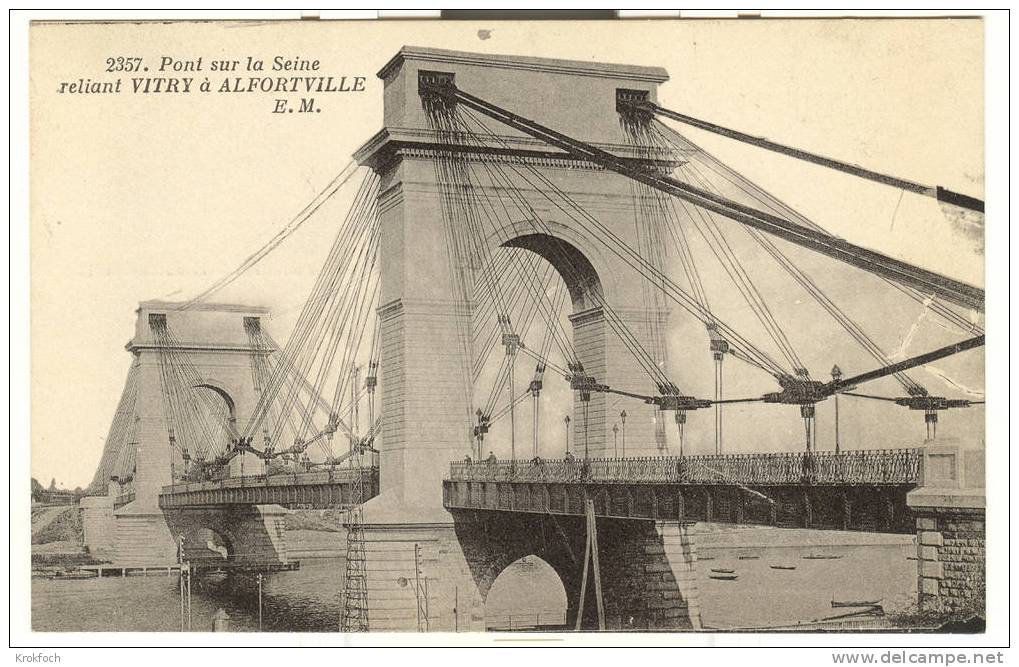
(122, 517)
(426, 423)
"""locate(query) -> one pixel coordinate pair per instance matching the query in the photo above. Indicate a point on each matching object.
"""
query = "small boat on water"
(724, 577)
(783, 567)
(837, 604)
(814, 556)
(75, 574)
(869, 612)
(722, 570)
(749, 557)
(705, 558)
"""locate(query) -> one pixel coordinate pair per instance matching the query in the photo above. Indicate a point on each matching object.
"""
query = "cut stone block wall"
(98, 525)
(253, 533)
(951, 551)
(646, 570)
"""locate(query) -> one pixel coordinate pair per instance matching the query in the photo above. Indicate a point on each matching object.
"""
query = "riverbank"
(716, 535)
(795, 595)
(57, 539)
(316, 534)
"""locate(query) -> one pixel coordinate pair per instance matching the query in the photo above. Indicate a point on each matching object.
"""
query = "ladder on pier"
(354, 617)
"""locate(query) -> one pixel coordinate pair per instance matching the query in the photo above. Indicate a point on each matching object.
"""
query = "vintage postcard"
(514, 329)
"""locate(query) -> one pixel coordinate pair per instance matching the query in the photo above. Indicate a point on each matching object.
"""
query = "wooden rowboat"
(837, 604)
(77, 574)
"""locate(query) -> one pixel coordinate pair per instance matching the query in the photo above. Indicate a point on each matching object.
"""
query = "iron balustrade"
(123, 498)
(337, 476)
(869, 466)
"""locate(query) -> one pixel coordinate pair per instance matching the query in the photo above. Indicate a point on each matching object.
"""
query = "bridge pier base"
(951, 551)
(437, 576)
(143, 539)
(418, 580)
(648, 577)
(99, 527)
(254, 534)
(949, 509)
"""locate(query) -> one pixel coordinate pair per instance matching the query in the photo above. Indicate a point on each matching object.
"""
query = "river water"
(307, 600)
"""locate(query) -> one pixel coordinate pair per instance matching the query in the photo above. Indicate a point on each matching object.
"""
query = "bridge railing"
(123, 498)
(337, 476)
(870, 466)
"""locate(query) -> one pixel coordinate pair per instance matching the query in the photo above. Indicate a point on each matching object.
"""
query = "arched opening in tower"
(203, 428)
(215, 412)
(572, 265)
(523, 318)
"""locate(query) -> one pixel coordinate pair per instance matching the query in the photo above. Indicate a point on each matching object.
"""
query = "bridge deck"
(313, 490)
(859, 490)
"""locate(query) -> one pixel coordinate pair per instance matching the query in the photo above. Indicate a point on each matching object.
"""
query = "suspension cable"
(934, 191)
(875, 262)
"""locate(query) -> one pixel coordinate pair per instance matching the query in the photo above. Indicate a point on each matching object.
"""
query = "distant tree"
(36, 489)
(53, 484)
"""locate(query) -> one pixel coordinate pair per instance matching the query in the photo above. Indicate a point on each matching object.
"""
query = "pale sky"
(155, 197)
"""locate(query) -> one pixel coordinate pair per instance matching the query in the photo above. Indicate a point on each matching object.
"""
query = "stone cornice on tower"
(529, 63)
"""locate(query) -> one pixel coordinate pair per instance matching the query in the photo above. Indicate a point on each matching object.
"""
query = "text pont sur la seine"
(234, 84)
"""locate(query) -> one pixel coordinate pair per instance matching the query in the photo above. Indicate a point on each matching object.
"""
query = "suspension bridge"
(548, 218)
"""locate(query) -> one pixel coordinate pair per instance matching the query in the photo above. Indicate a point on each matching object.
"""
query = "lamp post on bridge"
(566, 421)
(615, 438)
(259, 580)
(836, 375)
(585, 402)
(622, 417)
